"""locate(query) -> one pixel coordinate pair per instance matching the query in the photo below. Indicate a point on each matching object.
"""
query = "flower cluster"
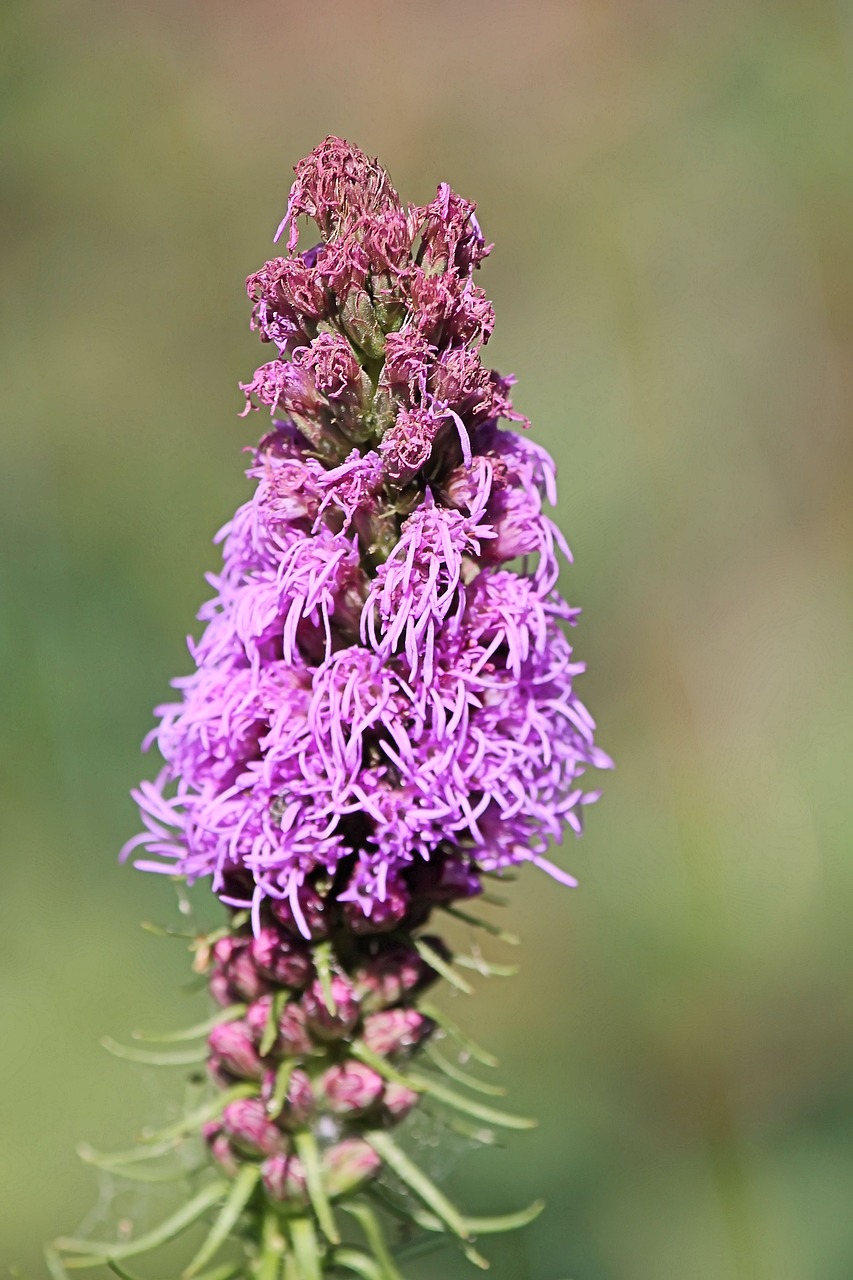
(287, 1047)
(383, 705)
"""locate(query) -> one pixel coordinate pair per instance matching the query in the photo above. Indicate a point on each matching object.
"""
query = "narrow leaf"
(133, 1156)
(322, 956)
(306, 1149)
(197, 1118)
(462, 1077)
(53, 1262)
(495, 930)
(268, 1039)
(473, 1256)
(120, 1271)
(486, 968)
(134, 1174)
(426, 1190)
(167, 1230)
(357, 1262)
(506, 1222)
(273, 1246)
(279, 1094)
(369, 1223)
(379, 1064)
(435, 961)
(183, 1058)
(474, 1133)
(469, 1107)
(307, 1251)
(462, 1037)
(230, 1014)
(241, 1192)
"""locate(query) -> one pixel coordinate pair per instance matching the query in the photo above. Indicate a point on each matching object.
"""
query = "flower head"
(383, 705)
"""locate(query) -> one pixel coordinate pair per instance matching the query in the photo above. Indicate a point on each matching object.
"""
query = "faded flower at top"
(384, 684)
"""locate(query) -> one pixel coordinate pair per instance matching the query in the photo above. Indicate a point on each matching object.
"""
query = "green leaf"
(506, 1222)
(54, 1264)
(306, 1249)
(486, 968)
(167, 1231)
(268, 1039)
(477, 1109)
(279, 1094)
(120, 1271)
(462, 1037)
(201, 1115)
(183, 1172)
(241, 1192)
(420, 1248)
(461, 1077)
(440, 965)
(226, 1272)
(230, 1014)
(183, 1058)
(474, 1133)
(306, 1149)
(273, 1246)
(381, 1065)
(322, 956)
(166, 930)
(369, 1224)
(495, 930)
(417, 1181)
(357, 1262)
(133, 1156)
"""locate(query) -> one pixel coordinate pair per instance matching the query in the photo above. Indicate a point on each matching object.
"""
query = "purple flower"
(383, 702)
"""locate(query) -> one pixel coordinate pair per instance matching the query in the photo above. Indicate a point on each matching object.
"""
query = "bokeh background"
(670, 188)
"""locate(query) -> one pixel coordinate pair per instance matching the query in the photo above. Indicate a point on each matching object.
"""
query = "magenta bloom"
(383, 696)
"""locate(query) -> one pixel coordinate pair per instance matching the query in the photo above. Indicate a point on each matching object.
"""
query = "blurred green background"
(670, 188)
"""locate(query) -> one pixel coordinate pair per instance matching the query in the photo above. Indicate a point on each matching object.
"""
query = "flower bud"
(351, 1088)
(284, 1180)
(348, 1165)
(249, 1128)
(220, 1148)
(325, 1024)
(243, 977)
(219, 988)
(280, 959)
(293, 1036)
(257, 1017)
(387, 978)
(313, 912)
(232, 1045)
(383, 916)
(393, 1030)
(298, 1106)
(397, 1102)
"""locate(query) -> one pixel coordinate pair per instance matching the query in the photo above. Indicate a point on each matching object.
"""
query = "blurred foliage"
(670, 188)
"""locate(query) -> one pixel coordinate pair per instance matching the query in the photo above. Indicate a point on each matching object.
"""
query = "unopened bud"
(284, 1180)
(293, 1036)
(324, 1023)
(384, 916)
(220, 1148)
(386, 979)
(280, 958)
(311, 909)
(298, 1105)
(398, 1101)
(348, 1165)
(249, 1128)
(351, 1088)
(232, 1044)
(393, 1030)
(244, 979)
